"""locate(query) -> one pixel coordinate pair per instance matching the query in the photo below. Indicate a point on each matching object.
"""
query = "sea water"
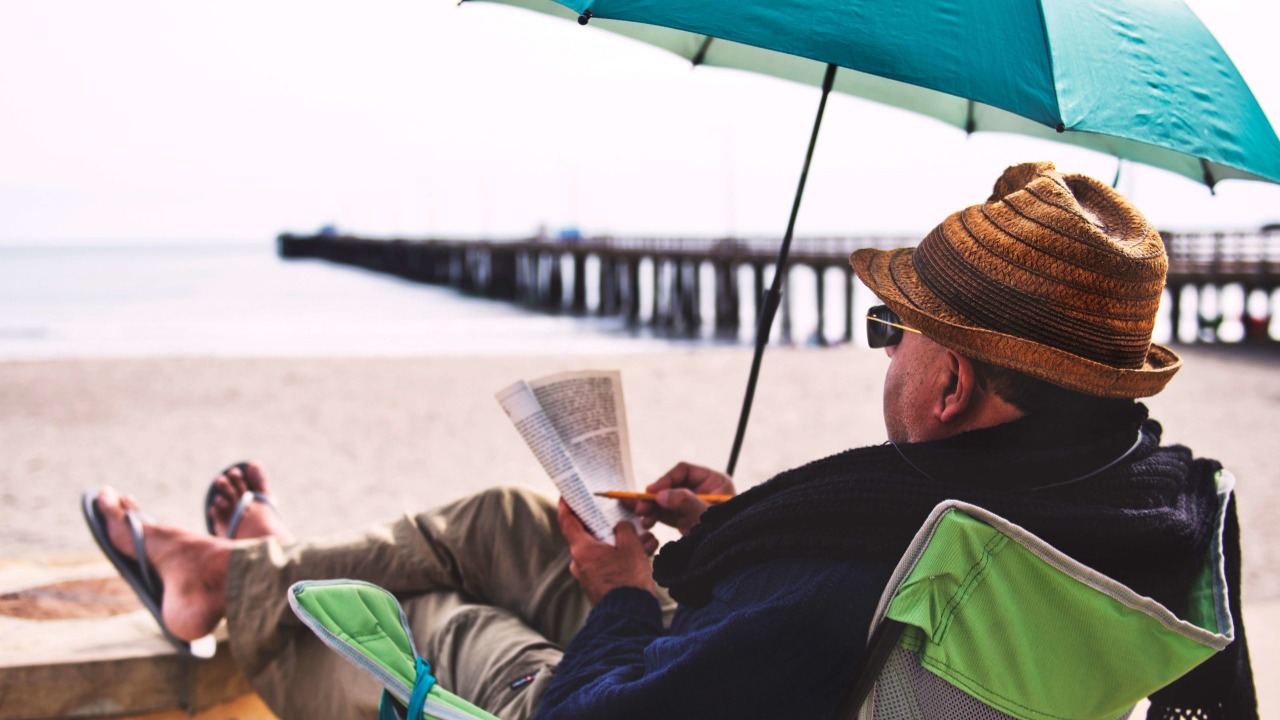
(242, 300)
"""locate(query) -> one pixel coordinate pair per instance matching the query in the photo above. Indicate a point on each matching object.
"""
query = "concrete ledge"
(100, 667)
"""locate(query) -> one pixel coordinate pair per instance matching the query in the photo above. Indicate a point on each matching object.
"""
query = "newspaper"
(576, 425)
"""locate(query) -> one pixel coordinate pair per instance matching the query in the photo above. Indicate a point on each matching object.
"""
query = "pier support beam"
(455, 268)
(820, 285)
(675, 296)
(615, 286)
(786, 309)
(523, 280)
(848, 303)
(608, 278)
(1175, 312)
(655, 318)
(502, 269)
(633, 289)
(727, 303)
(579, 283)
(693, 296)
(469, 280)
(557, 282)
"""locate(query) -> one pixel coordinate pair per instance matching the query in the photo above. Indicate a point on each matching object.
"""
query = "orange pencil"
(628, 495)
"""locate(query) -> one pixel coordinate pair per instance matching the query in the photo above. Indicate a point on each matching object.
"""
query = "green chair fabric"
(1005, 618)
(365, 624)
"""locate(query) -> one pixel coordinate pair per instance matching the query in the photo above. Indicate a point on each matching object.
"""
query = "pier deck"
(660, 282)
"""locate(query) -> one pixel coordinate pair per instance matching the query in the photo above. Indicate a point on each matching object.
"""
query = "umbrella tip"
(1060, 128)
(584, 18)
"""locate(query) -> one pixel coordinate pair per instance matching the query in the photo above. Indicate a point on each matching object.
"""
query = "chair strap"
(421, 686)
(883, 641)
(389, 708)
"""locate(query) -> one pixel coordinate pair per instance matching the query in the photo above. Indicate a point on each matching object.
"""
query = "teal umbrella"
(1142, 80)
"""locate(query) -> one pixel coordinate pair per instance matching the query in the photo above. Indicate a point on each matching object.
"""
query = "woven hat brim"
(891, 275)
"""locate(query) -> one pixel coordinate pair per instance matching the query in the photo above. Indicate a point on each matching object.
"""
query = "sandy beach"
(352, 441)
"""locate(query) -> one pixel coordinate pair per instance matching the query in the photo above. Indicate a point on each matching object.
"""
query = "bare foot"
(260, 519)
(192, 567)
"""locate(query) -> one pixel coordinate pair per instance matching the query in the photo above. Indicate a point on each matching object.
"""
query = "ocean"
(243, 301)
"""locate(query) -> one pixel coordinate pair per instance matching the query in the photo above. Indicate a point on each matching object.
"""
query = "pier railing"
(554, 274)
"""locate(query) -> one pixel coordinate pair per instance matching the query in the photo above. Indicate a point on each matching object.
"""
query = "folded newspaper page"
(576, 425)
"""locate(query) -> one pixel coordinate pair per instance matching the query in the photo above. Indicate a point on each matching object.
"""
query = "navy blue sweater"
(778, 587)
(779, 639)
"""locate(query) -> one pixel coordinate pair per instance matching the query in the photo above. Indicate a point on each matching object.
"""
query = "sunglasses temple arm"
(773, 296)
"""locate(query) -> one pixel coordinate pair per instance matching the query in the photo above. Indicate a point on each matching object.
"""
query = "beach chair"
(983, 620)
(365, 624)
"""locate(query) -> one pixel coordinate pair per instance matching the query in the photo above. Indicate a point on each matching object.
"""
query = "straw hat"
(1056, 276)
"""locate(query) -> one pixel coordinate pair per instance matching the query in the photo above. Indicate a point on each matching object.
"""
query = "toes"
(127, 502)
(237, 481)
(253, 477)
(222, 489)
(220, 507)
(230, 489)
(222, 502)
(108, 501)
(113, 507)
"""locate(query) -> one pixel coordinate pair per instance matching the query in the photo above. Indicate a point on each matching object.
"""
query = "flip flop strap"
(140, 550)
(242, 507)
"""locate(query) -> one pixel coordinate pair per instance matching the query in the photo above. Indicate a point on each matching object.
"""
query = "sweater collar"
(1032, 451)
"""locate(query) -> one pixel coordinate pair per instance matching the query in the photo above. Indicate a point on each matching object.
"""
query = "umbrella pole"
(773, 296)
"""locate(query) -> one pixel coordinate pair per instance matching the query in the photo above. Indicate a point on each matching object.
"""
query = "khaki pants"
(484, 583)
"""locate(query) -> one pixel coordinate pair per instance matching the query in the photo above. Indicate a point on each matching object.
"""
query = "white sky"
(133, 120)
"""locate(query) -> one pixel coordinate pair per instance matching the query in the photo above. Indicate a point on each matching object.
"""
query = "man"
(1018, 332)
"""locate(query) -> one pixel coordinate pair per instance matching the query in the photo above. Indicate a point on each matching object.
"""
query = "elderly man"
(1018, 331)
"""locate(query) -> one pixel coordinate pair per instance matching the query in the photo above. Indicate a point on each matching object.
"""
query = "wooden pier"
(603, 276)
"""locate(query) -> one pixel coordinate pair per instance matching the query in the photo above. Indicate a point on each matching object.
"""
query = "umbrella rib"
(701, 55)
(1061, 126)
(1208, 175)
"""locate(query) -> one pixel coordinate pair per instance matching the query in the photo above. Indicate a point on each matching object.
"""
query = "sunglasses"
(884, 327)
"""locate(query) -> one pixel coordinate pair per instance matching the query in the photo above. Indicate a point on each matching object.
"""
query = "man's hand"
(676, 504)
(600, 567)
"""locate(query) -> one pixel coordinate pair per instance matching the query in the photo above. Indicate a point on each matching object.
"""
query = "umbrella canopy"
(1142, 80)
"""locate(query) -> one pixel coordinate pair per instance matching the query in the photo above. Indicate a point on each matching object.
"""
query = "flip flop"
(140, 574)
(245, 501)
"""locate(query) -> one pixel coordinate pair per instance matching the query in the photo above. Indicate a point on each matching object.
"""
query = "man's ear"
(961, 392)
